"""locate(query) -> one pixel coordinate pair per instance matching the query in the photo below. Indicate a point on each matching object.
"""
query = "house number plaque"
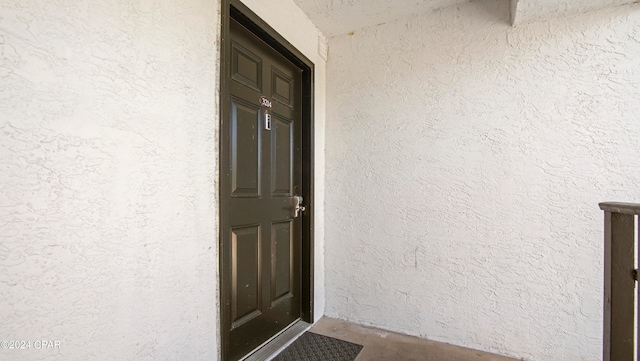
(265, 102)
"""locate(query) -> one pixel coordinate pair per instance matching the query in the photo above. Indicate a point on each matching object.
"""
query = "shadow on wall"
(497, 11)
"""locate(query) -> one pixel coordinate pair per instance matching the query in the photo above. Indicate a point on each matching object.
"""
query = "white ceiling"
(335, 17)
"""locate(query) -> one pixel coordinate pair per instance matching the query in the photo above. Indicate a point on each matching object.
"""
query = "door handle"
(296, 206)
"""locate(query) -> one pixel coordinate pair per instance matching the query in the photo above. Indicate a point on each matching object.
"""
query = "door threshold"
(270, 349)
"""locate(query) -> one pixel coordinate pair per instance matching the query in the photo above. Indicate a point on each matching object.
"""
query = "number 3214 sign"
(265, 102)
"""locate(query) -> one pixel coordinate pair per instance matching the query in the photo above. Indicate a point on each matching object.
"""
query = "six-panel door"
(261, 239)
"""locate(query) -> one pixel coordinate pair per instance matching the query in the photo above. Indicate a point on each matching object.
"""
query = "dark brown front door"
(262, 171)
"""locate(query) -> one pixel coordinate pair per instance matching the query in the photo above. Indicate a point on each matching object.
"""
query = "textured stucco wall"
(465, 163)
(108, 181)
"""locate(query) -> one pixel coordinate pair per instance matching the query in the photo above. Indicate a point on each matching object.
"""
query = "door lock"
(267, 121)
(296, 206)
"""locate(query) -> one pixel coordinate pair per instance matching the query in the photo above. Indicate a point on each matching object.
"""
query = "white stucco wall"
(465, 163)
(108, 187)
(109, 176)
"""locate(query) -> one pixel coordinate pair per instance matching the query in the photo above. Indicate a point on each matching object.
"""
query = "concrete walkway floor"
(381, 345)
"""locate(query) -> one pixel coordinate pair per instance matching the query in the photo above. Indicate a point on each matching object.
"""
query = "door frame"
(236, 10)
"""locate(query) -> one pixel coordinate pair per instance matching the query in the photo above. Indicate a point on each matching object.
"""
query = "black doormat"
(313, 347)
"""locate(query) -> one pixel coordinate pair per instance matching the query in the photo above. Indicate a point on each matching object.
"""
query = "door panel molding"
(252, 120)
(281, 148)
(241, 70)
(243, 74)
(245, 239)
(281, 248)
